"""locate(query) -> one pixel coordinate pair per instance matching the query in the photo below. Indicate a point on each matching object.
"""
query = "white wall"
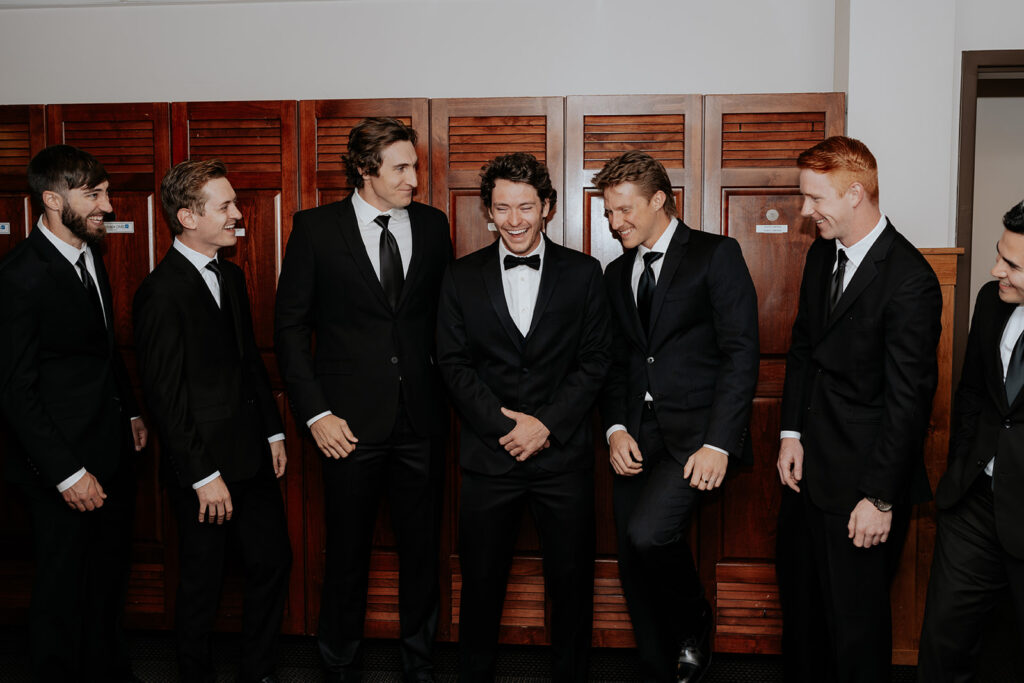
(385, 48)
(998, 178)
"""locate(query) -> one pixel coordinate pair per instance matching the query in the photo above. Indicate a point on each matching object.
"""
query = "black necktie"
(391, 276)
(645, 288)
(528, 261)
(90, 286)
(215, 269)
(835, 291)
(1015, 371)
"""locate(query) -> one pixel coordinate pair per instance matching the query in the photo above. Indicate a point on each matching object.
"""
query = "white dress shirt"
(72, 254)
(369, 231)
(521, 285)
(855, 255)
(661, 247)
(213, 284)
(1014, 328)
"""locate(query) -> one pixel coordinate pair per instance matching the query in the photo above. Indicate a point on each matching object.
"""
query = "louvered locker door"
(133, 142)
(258, 143)
(751, 193)
(324, 126)
(599, 128)
(465, 135)
(22, 135)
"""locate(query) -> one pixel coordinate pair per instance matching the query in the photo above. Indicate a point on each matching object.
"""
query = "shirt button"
(650, 360)
(394, 360)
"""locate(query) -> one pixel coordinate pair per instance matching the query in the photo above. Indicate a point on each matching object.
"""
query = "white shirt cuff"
(716, 448)
(612, 430)
(207, 480)
(71, 481)
(136, 417)
(789, 435)
(310, 421)
(276, 437)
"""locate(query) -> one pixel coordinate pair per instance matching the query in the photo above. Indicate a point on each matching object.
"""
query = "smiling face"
(82, 212)
(1009, 267)
(518, 213)
(636, 219)
(215, 227)
(831, 212)
(393, 185)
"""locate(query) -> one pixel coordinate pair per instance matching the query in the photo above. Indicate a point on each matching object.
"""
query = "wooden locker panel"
(324, 126)
(751, 193)
(258, 142)
(599, 128)
(466, 134)
(133, 143)
(22, 136)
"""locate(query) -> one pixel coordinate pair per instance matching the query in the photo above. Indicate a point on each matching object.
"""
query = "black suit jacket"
(986, 425)
(554, 373)
(202, 375)
(365, 351)
(63, 386)
(859, 385)
(699, 360)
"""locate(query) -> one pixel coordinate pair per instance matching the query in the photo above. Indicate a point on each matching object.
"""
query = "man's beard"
(79, 227)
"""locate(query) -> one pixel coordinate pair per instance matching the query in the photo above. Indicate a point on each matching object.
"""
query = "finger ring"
(705, 479)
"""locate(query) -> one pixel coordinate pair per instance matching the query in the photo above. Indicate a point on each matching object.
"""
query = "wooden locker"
(258, 142)
(324, 127)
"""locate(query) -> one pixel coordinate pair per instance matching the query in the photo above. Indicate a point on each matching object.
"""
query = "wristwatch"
(880, 504)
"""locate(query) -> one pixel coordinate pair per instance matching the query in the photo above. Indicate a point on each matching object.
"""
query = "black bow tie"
(530, 261)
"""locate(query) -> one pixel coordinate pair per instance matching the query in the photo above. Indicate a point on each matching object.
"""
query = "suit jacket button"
(1006, 424)
(394, 360)
(526, 370)
(981, 463)
(650, 360)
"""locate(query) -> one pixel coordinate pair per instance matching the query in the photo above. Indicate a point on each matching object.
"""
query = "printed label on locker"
(5, 228)
(120, 227)
(239, 232)
(773, 229)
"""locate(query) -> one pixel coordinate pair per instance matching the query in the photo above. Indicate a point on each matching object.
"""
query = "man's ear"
(658, 200)
(856, 194)
(186, 218)
(54, 201)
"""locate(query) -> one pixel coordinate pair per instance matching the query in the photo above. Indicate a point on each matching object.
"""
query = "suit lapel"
(496, 292)
(634, 329)
(862, 277)
(416, 263)
(993, 358)
(349, 228)
(103, 283)
(549, 275)
(672, 259)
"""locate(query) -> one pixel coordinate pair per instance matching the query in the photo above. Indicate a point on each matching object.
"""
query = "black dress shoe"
(694, 662)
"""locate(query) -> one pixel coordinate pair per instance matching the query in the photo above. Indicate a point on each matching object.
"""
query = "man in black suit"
(677, 403)
(979, 549)
(221, 437)
(860, 376)
(67, 401)
(363, 275)
(523, 343)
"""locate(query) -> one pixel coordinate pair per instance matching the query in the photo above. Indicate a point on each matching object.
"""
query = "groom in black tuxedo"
(523, 344)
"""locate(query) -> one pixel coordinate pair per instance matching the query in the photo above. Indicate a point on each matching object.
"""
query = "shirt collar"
(503, 250)
(366, 212)
(66, 250)
(858, 251)
(194, 257)
(661, 245)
